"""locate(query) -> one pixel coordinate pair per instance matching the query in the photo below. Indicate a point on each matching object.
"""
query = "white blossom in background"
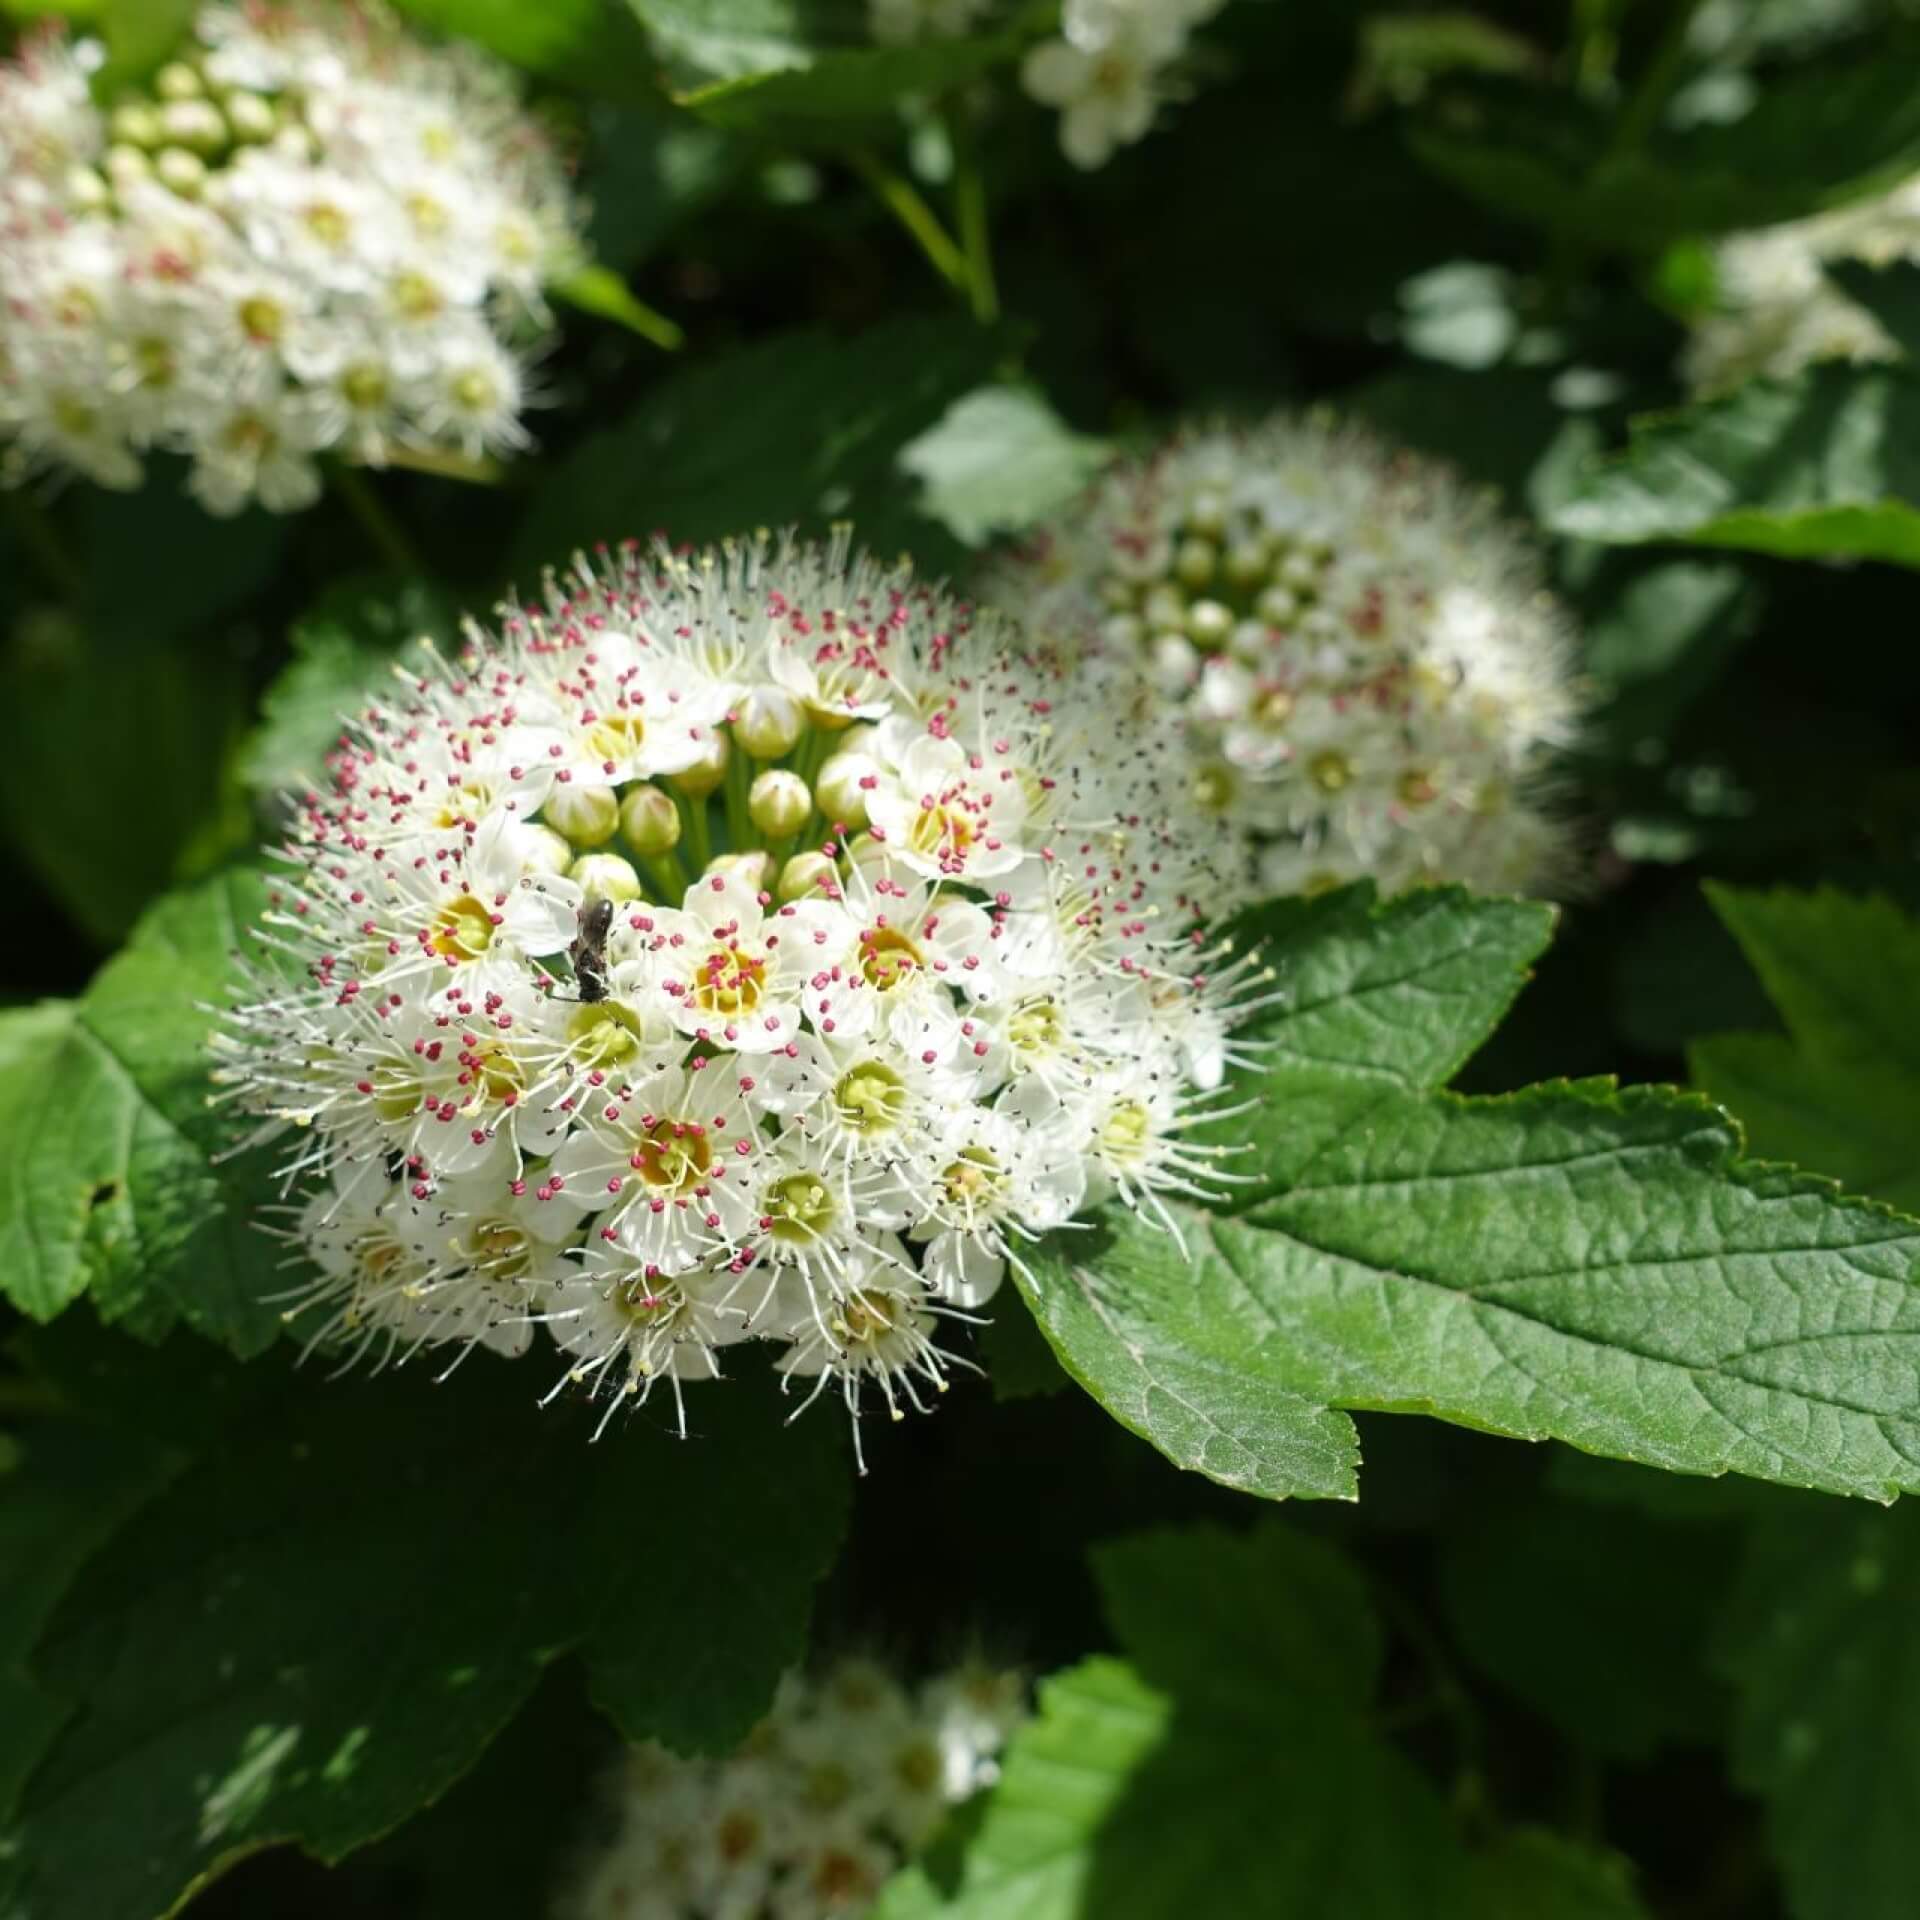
(826, 1799)
(1776, 307)
(749, 945)
(1358, 657)
(1109, 70)
(316, 233)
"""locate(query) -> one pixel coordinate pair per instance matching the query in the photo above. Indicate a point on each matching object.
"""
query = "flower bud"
(768, 722)
(779, 804)
(706, 773)
(136, 125)
(1194, 562)
(650, 821)
(194, 124)
(180, 172)
(754, 868)
(606, 876)
(839, 788)
(250, 117)
(588, 816)
(547, 851)
(177, 81)
(127, 165)
(86, 191)
(1208, 624)
(803, 875)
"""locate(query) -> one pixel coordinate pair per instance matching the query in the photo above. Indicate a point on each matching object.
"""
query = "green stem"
(696, 840)
(1450, 1697)
(386, 533)
(740, 833)
(903, 200)
(970, 215)
(1644, 106)
(41, 538)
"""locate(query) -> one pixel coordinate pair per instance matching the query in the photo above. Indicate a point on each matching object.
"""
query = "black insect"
(589, 950)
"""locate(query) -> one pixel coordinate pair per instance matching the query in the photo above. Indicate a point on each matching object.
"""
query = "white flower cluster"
(903, 23)
(827, 1798)
(1370, 676)
(317, 233)
(1108, 70)
(553, 1061)
(1776, 308)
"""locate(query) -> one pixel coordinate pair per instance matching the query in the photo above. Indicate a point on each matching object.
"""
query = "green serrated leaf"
(318, 1628)
(1823, 1647)
(999, 461)
(801, 429)
(140, 34)
(1841, 1090)
(1573, 1262)
(1370, 999)
(113, 1140)
(1826, 464)
(1189, 1783)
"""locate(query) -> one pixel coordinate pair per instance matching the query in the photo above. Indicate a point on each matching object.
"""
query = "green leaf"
(343, 651)
(1823, 1647)
(999, 461)
(804, 428)
(1826, 464)
(112, 1140)
(1839, 1092)
(1189, 1782)
(1533, 1875)
(582, 43)
(1573, 1262)
(72, 1487)
(599, 290)
(1376, 997)
(1528, 1579)
(319, 1627)
(1831, 130)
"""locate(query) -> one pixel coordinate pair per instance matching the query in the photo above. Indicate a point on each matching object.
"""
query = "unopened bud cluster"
(311, 232)
(743, 945)
(847, 1776)
(1777, 308)
(1363, 667)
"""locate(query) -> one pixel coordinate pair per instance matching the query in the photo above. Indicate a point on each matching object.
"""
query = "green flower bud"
(706, 773)
(606, 876)
(1207, 514)
(136, 124)
(588, 816)
(768, 723)
(837, 787)
(779, 804)
(86, 191)
(754, 868)
(1195, 561)
(180, 172)
(1208, 624)
(177, 81)
(803, 874)
(250, 117)
(194, 124)
(650, 821)
(127, 165)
